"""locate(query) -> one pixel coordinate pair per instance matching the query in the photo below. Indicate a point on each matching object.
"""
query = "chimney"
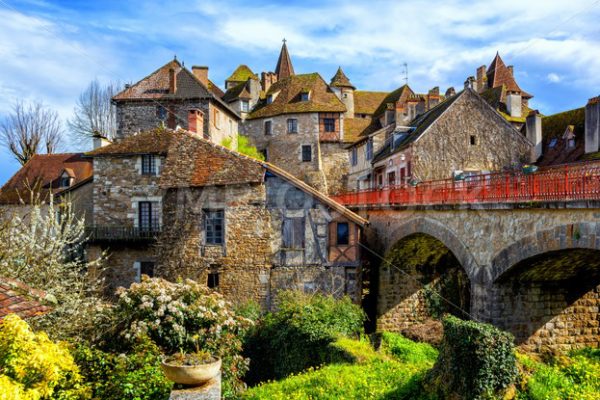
(100, 141)
(201, 72)
(470, 83)
(450, 92)
(172, 81)
(514, 104)
(267, 79)
(196, 121)
(481, 78)
(511, 69)
(533, 131)
(592, 125)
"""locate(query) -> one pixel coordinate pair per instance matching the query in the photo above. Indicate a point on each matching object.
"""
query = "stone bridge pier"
(533, 270)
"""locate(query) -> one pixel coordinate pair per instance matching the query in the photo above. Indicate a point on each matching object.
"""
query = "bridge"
(520, 250)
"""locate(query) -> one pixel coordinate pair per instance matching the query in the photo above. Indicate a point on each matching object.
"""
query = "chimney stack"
(201, 72)
(450, 92)
(100, 141)
(533, 131)
(267, 79)
(172, 81)
(481, 79)
(592, 125)
(196, 122)
(470, 83)
(511, 69)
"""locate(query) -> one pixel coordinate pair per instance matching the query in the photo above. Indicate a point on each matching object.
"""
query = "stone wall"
(336, 164)
(446, 145)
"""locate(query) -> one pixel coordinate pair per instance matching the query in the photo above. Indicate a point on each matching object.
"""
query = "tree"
(94, 112)
(29, 129)
(244, 147)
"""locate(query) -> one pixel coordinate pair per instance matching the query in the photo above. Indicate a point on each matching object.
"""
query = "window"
(293, 233)
(148, 164)
(391, 178)
(217, 121)
(214, 226)
(213, 280)
(306, 153)
(354, 156)
(571, 143)
(304, 96)
(269, 99)
(369, 150)
(268, 127)
(343, 233)
(64, 181)
(345, 95)
(245, 106)
(147, 268)
(161, 113)
(147, 216)
(292, 125)
(553, 143)
(473, 140)
(329, 124)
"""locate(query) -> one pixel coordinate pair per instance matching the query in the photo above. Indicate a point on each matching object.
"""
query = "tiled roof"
(216, 90)
(155, 141)
(554, 127)
(241, 74)
(284, 68)
(42, 173)
(287, 101)
(239, 91)
(367, 102)
(496, 97)
(498, 74)
(401, 94)
(341, 80)
(18, 298)
(357, 128)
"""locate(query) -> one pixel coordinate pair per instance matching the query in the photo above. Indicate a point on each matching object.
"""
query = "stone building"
(461, 136)
(173, 204)
(164, 98)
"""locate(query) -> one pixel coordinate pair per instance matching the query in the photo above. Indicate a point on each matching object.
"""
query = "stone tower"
(344, 90)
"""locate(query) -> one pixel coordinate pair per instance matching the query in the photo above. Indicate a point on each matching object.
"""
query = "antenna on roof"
(405, 72)
(175, 57)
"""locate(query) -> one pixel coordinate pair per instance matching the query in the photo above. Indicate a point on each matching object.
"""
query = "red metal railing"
(571, 182)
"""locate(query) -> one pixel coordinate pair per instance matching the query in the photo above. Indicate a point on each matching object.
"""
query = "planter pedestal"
(211, 390)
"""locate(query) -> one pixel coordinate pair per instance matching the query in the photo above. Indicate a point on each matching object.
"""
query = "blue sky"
(51, 50)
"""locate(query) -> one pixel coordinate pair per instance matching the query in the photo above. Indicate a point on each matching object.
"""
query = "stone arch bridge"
(532, 261)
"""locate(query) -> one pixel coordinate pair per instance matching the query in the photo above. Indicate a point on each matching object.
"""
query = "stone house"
(242, 90)
(45, 176)
(164, 98)
(171, 203)
(463, 135)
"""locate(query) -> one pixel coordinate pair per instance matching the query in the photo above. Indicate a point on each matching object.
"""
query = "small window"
(292, 125)
(304, 96)
(392, 178)
(268, 127)
(306, 153)
(269, 99)
(245, 105)
(293, 233)
(345, 95)
(553, 143)
(473, 140)
(148, 164)
(147, 216)
(161, 113)
(213, 280)
(147, 268)
(343, 234)
(64, 181)
(217, 121)
(214, 224)
(354, 157)
(329, 124)
(369, 151)
(571, 143)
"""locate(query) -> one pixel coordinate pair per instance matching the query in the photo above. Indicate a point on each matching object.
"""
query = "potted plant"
(191, 368)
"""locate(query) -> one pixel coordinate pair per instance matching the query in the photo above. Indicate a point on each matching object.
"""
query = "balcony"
(121, 233)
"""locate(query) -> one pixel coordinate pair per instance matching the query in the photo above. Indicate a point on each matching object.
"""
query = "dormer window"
(245, 105)
(304, 96)
(148, 164)
(64, 181)
(269, 99)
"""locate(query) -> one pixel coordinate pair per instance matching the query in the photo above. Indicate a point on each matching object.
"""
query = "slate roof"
(401, 94)
(498, 74)
(42, 174)
(241, 74)
(284, 68)
(239, 91)
(554, 127)
(155, 141)
(366, 102)
(18, 298)
(288, 90)
(341, 80)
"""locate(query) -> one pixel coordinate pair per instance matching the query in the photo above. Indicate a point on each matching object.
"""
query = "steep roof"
(401, 94)
(496, 97)
(42, 174)
(341, 80)
(18, 298)
(366, 102)
(287, 99)
(498, 74)
(155, 141)
(241, 74)
(553, 129)
(284, 68)
(239, 91)
(216, 90)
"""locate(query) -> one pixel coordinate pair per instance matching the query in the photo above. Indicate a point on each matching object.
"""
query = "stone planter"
(194, 375)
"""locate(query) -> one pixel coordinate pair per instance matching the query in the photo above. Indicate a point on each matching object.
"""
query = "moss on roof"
(403, 91)
(341, 80)
(554, 126)
(241, 74)
(287, 101)
(366, 102)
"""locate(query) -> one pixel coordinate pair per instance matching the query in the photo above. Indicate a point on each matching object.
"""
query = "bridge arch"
(441, 232)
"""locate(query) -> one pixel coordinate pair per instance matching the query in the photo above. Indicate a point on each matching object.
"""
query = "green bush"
(476, 361)
(408, 351)
(299, 334)
(184, 316)
(133, 376)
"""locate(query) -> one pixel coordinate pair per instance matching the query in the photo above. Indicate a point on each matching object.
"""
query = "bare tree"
(94, 112)
(30, 129)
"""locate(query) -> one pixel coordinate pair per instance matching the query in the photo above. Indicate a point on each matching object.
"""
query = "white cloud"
(553, 77)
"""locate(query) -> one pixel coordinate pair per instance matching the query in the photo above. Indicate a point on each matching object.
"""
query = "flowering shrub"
(33, 367)
(184, 316)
